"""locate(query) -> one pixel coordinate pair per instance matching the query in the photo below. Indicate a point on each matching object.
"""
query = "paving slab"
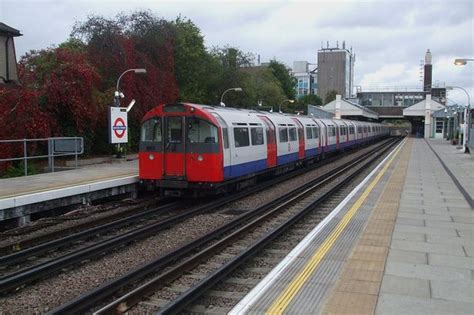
(405, 304)
(406, 286)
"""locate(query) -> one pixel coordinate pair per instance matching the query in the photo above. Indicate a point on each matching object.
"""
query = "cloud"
(389, 37)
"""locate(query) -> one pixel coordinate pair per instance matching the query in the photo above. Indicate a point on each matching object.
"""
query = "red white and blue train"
(188, 148)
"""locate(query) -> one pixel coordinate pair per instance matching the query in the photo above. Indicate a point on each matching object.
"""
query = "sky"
(389, 38)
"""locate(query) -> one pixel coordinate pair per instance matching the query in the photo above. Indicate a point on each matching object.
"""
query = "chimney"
(427, 81)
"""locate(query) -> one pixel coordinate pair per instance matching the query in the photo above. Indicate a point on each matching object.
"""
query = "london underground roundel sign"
(118, 128)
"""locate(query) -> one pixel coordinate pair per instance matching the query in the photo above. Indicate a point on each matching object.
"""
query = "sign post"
(118, 126)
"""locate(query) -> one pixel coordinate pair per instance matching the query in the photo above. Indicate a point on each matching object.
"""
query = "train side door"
(271, 141)
(300, 138)
(225, 145)
(174, 162)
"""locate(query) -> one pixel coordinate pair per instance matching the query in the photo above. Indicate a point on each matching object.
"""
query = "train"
(189, 149)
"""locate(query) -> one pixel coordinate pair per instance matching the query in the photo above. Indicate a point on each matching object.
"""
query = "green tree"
(302, 103)
(192, 62)
(330, 96)
(287, 81)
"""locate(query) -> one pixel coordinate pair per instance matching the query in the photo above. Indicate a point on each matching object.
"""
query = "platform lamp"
(287, 100)
(466, 117)
(462, 61)
(237, 89)
(118, 95)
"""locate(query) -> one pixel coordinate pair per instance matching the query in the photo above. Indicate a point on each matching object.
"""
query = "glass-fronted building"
(306, 81)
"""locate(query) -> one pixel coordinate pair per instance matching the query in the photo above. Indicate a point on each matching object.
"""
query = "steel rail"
(19, 245)
(27, 275)
(87, 300)
(198, 290)
(47, 246)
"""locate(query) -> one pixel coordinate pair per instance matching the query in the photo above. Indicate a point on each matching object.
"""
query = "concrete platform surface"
(11, 187)
(414, 253)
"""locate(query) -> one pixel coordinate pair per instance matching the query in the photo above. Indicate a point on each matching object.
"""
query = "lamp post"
(461, 61)
(237, 89)
(287, 100)
(118, 94)
(466, 117)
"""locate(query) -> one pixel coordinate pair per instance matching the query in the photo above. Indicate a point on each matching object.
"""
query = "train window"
(151, 130)
(256, 135)
(292, 132)
(241, 137)
(201, 131)
(225, 136)
(315, 132)
(283, 134)
(309, 132)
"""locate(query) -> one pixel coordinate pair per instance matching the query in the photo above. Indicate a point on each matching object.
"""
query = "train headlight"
(200, 158)
(151, 156)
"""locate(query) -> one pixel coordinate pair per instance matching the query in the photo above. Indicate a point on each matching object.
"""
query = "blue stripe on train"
(287, 158)
(244, 168)
(311, 152)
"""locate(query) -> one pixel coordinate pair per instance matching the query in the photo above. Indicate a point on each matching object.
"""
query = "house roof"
(8, 30)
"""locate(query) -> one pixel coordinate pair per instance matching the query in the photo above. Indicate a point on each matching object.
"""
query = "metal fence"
(57, 147)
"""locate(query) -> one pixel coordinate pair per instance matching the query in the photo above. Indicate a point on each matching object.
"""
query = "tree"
(287, 81)
(330, 96)
(192, 62)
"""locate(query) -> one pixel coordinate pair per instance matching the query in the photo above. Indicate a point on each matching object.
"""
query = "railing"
(57, 147)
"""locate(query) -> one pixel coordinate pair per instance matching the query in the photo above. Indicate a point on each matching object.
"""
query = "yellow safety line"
(84, 182)
(284, 299)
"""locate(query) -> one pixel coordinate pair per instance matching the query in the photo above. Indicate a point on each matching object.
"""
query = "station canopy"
(352, 109)
(419, 109)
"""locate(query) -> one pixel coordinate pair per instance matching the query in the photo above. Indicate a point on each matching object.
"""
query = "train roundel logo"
(119, 127)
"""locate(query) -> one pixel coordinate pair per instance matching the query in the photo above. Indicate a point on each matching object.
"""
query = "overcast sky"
(390, 38)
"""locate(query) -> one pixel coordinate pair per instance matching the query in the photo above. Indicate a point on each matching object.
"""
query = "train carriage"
(189, 148)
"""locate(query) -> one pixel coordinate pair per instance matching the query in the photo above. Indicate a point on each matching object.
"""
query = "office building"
(335, 71)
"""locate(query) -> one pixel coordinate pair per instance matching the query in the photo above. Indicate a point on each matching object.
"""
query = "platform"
(23, 196)
(401, 242)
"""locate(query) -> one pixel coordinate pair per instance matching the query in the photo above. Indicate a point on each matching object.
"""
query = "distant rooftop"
(8, 30)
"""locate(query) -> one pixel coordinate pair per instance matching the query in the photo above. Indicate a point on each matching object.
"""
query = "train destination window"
(151, 130)
(201, 131)
(283, 134)
(256, 135)
(293, 134)
(241, 137)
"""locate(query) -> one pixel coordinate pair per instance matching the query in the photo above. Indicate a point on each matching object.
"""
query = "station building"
(8, 70)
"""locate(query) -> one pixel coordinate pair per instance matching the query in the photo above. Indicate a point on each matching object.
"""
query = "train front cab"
(180, 148)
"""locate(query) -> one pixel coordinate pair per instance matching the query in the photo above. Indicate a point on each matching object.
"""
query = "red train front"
(180, 149)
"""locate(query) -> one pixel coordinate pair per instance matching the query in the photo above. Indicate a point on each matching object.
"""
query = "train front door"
(174, 162)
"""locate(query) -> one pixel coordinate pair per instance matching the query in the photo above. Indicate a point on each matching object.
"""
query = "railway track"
(198, 251)
(48, 266)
